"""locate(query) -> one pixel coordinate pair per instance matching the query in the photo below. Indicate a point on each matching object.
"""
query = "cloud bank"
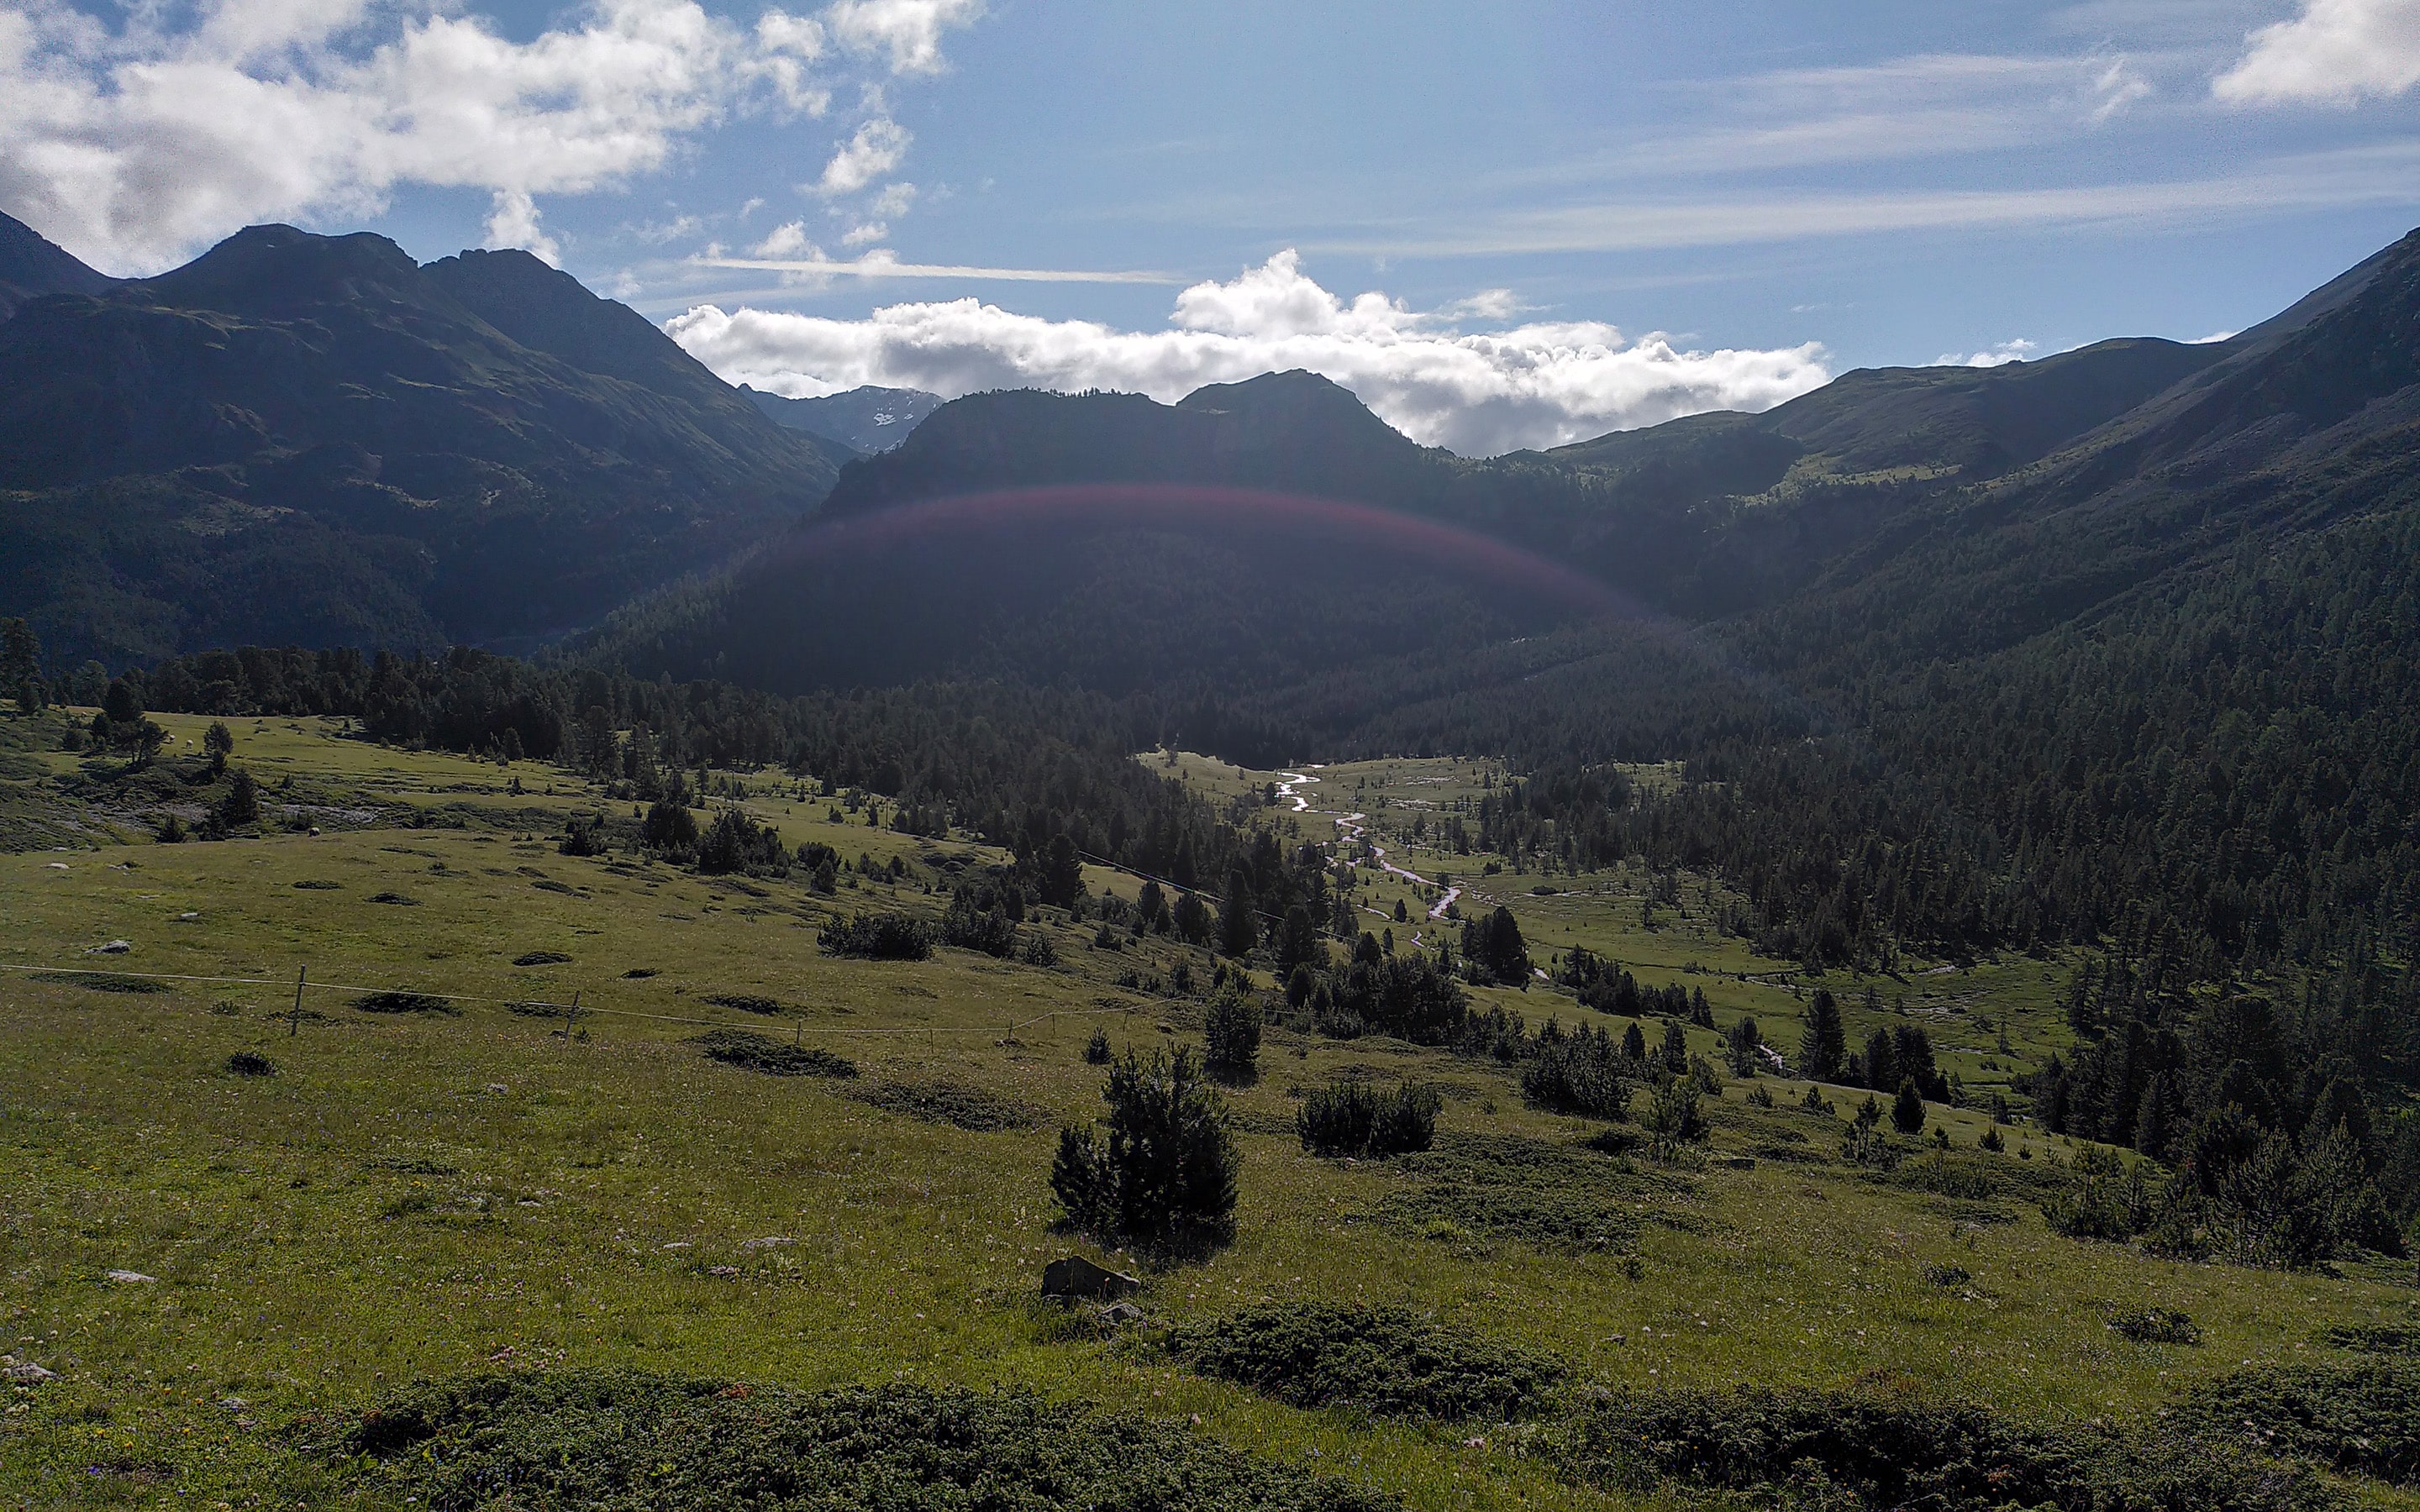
(1478, 394)
(2335, 52)
(132, 147)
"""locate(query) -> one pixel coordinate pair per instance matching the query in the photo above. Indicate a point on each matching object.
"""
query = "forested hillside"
(312, 439)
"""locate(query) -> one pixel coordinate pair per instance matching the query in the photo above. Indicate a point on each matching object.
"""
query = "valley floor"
(432, 1194)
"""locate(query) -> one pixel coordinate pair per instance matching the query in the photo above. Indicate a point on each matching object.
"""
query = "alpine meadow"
(631, 880)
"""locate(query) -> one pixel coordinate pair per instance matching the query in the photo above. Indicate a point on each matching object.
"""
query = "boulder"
(26, 1373)
(1076, 1276)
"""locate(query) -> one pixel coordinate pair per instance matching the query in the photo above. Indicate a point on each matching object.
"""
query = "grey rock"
(26, 1373)
(1075, 1276)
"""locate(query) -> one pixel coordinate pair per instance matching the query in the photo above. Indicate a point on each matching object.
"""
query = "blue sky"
(1535, 191)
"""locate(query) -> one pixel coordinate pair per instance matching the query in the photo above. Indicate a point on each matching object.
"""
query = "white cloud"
(2006, 352)
(893, 201)
(132, 143)
(788, 239)
(875, 150)
(860, 236)
(2115, 88)
(1480, 394)
(2379, 173)
(2335, 52)
(513, 224)
(909, 31)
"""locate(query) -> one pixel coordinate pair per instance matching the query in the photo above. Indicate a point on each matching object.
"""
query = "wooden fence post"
(294, 1022)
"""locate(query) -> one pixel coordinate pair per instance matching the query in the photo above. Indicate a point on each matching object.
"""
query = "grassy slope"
(423, 1196)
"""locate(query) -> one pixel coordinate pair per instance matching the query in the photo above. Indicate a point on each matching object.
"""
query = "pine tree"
(1239, 929)
(1825, 1043)
(1907, 1109)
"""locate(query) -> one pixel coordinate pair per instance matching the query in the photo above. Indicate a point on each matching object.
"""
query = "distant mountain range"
(868, 418)
(314, 439)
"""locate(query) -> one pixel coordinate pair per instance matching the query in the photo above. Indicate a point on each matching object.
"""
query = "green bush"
(1231, 1033)
(1166, 1174)
(1389, 1360)
(1877, 1448)
(99, 982)
(625, 1442)
(250, 1063)
(402, 1002)
(2384, 1339)
(1349, 1118)
(745, 1002)
(1582, 1072)
(752, 1051)
(877, 937)
(2361, 1418)
(1096, 1049)
(952, 1103)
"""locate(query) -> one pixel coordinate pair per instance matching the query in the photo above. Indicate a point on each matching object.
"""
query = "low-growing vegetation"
(1889, 1447)
(2363, 1418)
(1385, 1360)
(625, 1442)
(1352, 1118)
(750, 1051)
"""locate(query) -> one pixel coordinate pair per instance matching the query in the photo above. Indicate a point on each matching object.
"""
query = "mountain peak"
(31, 266)
(281, 267)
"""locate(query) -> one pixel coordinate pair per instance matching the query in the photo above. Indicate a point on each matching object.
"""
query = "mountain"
(865, 419)
(32, 266)
(314, 439)
(1704, 518)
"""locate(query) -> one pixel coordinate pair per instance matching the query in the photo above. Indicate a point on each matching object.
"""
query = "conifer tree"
(1825, 1043)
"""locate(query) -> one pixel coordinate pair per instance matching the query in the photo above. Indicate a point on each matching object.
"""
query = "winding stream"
(1350, 827)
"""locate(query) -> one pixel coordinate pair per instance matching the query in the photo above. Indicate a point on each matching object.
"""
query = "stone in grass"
(129, 1278)
(1074, 1276)
(25, 1372)
(112, 947)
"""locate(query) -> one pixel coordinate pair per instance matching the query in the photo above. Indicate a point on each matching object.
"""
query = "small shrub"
(403, 1002)
(314, 884)
(397, 899)
(954, 1104)
(250, 1063)
(1582, 1072)
(2155, 1325)
(542, 958)
(584, 835)
(627, 1442)
(1096, 1049)
(1879, 1448)
(1386, 1360)
(1675, 1119)
(1038, 951)
(2362, 1419)
(1231, 1033)
(745, 1002)
(877, 937)
(1947, 1275)
(2385, 1338)
(750, 1051)
(1166, 1173)
(97, 981)
(1349, 1118)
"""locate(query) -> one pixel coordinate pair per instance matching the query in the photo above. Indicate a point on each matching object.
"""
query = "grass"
(492, 1194)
